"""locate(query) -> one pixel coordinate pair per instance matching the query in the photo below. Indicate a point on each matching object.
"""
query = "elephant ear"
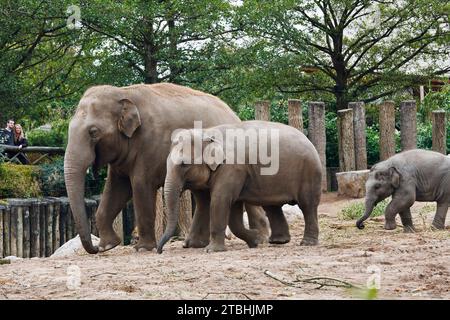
(395, 177)
(213, 153)
(130, 119)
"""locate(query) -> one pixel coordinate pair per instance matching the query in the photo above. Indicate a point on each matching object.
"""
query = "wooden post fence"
(295, 113)
(438, 118)
(359, 131)
(408, 125)
(387, 129)
(37, 227)
(262, 110)
(346, 140)
(316, 133)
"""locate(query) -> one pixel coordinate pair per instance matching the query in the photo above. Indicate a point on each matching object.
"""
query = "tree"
(160, 40)
(39, 56)
(353, 49)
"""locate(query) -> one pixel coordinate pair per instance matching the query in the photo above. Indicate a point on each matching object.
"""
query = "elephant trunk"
(370, 204)
(74, 175)
(172, 192)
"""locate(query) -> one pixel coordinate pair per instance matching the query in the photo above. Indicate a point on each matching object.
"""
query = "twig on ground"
(228, 292)
(103, 273)
(4, 261)
(285, 282)
(320, 281)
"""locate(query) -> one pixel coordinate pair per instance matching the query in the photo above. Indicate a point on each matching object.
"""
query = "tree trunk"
(359, 129)
(346, 140)
(387, 130)
(295, 111)
(408, 125)
(316, 134)
(262, 110)
(439, 131)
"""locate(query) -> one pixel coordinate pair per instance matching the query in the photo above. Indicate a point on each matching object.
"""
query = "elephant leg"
(311, 233)
(400, 202)
(144, 200)
(114, 198)
(439, 218)
(219, 216)
(199, 232)
(278, 224)
(236, 223)
(407, 222)
(257, 220)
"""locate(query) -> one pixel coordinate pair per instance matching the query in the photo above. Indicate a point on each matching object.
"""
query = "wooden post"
(387, 129)
(408, 125)
(14, 231)
(262, 110)
(42, 227)
(64, 202)
(35, 229)
(49, 228)
(2, 243)
(128, 222)
(346, 140)
(316, 133)
(7, 231)
(359, 130)
(91, 206)
(295, 112)
(439, 131)
(56, 216)
(160, 219)
(185, 217)
(26, 230)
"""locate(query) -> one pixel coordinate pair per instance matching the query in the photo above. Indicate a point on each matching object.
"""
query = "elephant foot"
(195, 243)
(108, 243)
(143, 246)
(280, 239)
(437, 226)
(390, 225)
(409, 229)
(309, 242)
(215, 247)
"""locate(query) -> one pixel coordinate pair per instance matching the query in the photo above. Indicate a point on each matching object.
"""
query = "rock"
(12, 258)
(73, 247)
(352, 183)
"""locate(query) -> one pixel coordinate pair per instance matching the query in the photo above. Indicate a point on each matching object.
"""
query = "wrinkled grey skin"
(129, 129)
(414, 175)
(298, 181)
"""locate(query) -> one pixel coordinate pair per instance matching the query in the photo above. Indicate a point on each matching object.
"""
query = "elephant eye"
(377, 186)
(93, 132)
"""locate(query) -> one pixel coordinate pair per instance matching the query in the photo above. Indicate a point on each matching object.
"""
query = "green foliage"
(19, 181)
(51, 180)
(355, 210)
(373, 144)
(435, 101)
(56, 137)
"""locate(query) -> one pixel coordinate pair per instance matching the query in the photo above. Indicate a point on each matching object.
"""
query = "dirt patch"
(410, 265)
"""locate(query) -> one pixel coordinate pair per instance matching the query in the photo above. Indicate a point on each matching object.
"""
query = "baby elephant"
(414, 175)
(256, 162)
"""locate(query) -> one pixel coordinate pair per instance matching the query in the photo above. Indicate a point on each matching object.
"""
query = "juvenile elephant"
(129, 130)
(414, 175)
(294, 176)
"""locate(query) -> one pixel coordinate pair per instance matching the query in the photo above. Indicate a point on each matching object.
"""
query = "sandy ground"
(409, 266)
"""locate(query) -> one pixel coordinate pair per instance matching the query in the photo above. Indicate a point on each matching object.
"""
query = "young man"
(7, 136)
(9, 133)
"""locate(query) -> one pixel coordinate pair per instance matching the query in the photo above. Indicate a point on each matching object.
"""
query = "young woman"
(21, 142)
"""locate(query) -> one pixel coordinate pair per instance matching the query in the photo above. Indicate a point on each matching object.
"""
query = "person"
(7, 137)
(21, 142)
(8, 133)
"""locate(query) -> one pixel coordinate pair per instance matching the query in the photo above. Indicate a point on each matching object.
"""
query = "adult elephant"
(129, 129)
